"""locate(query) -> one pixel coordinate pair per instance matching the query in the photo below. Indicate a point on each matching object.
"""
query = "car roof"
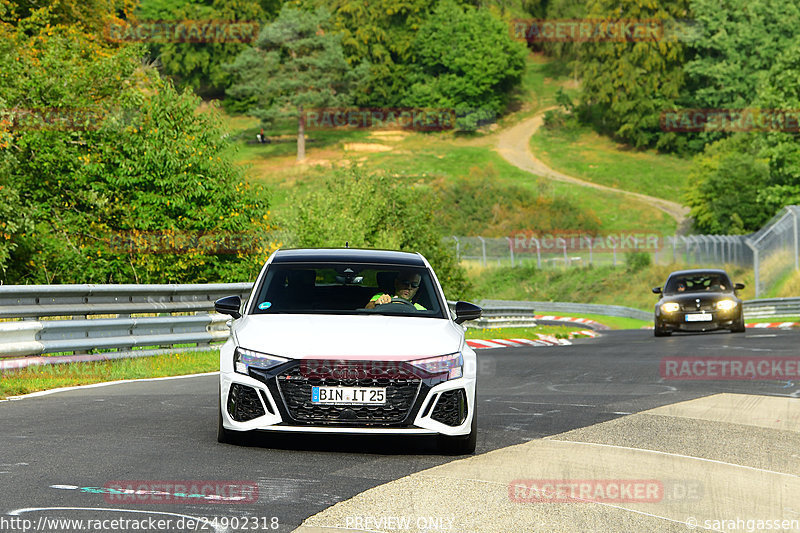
(697, 271)
(348, 255)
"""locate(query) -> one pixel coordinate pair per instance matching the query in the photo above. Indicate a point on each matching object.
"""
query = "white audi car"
(348, 341)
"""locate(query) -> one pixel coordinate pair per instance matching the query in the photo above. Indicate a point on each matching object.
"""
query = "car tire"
(660, 331)
(462, 444)
(738, 326)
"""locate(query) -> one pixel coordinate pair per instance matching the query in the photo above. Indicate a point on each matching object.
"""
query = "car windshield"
(347, 289)
(698, 282)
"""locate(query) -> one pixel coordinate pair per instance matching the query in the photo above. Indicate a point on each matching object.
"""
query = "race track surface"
(58, 451)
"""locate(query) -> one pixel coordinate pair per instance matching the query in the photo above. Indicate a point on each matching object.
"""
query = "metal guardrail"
(768, 307)
(78, 333)
(31, 330)
(570, 308)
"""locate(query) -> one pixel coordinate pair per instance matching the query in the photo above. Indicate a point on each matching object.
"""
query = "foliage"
(723, 187)
(296, 64)
(637, 261)
(381, 34)
(738, 44)
(129, 155)
(87, 16)
(371, 211)
(628, 84)
(480, 205)
(465, 60)
(200, 65)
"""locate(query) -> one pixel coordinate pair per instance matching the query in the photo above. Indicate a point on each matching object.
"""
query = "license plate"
(348, 395)
(699, 317)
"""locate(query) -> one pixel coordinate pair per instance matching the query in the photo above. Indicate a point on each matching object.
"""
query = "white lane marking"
(695, 526)
(761, 336)
(673, 455)
(103, 384)
(17, 512)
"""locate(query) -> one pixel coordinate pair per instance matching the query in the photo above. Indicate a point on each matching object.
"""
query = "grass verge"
(45, 377)
(561, 332)
(579, 151)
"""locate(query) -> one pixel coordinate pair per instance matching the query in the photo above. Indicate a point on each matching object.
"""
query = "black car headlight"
(244, 359)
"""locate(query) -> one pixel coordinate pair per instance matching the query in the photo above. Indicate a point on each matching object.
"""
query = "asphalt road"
(55, 448)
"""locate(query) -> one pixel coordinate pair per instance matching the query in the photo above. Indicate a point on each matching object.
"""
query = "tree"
(739, 42)
(465, 60)
(201, 65)
(626, 85)
(296, 65)
(372, 211)
(724, 184)
(107, 156)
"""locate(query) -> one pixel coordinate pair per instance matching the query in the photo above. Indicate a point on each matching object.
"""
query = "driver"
(406, 285)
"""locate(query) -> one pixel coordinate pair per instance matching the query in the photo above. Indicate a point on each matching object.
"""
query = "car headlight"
(670, 307)
(726, 305)
(244, 359)
(451, 364)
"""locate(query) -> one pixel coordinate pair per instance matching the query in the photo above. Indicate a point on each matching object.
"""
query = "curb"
(542, 340)
(572, 320)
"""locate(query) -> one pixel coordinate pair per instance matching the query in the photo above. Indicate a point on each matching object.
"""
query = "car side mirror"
(738, 286)
(656, 290)
(229, 305)
(467, 311)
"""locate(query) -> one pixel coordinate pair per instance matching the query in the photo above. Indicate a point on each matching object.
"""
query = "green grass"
(602, 284)
(561, 332)
(582, 153)
(45, 377)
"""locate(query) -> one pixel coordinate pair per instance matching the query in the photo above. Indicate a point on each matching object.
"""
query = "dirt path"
(513, 144)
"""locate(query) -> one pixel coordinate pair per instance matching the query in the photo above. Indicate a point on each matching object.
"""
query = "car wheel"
(659, 331)
(738, 326)
(463, 444)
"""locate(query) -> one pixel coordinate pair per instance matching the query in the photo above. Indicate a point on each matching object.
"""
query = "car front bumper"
(260, 403)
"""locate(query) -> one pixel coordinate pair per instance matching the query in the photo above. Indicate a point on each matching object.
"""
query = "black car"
(698, 300)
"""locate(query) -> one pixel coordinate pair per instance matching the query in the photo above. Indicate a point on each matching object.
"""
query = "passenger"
(406, 285)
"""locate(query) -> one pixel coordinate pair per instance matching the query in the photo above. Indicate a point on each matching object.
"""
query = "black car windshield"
(698, 282)
(347, 289)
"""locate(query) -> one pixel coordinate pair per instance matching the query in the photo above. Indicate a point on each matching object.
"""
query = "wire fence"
(772, 252)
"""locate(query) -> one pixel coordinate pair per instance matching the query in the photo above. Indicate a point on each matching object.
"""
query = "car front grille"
(402, 386)
(693, 307)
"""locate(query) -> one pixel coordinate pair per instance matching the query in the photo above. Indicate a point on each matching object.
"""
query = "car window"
(346, 289)
(711, 282)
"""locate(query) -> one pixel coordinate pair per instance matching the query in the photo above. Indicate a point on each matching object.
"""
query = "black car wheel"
(461, 445)
(660, 331)
(738, 325)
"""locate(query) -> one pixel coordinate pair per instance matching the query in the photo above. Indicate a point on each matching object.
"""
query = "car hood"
(348, 337)
(704, 297)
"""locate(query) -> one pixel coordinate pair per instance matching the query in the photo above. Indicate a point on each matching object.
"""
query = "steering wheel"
(400, 301)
